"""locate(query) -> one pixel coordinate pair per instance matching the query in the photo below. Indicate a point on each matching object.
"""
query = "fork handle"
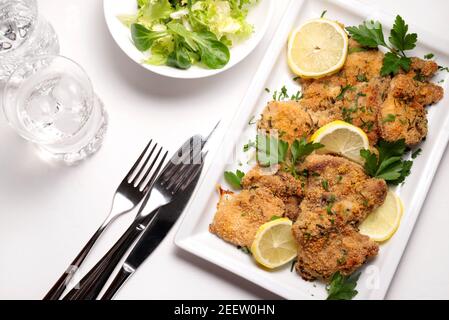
(59, 287)
(93, 282)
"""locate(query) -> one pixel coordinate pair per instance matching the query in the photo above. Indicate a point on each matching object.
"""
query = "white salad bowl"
(259, 16)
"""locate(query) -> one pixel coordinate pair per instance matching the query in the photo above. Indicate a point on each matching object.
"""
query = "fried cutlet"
(281, 184)
(386, 107)
(239, 216)
(338, 196)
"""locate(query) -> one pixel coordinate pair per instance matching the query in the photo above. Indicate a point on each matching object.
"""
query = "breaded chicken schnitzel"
(239, 215)
(281, 184)
(383, 106)
(338, 196)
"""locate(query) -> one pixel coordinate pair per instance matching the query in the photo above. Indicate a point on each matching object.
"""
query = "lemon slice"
(317, 48)
(339, 137)
(274, 244)
(382, 223)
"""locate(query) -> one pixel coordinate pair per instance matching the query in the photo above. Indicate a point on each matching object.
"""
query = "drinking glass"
(50, 101)
(23, 34)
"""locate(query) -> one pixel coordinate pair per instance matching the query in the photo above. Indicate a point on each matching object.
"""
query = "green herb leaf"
(301, 149)
(245, 250)
(399, 37)
(362, 78)
(429, 56)
(392, 63)
(180, 57)
(275, 218)
(341, 95)
(416, 153)
(369, 34)
(342, 287)
(323, 13)
(389, 165)
(390, 118)
(143, 38)
(234, 179)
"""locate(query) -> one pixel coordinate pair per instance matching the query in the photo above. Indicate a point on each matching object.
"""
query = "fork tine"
(156, 172)
(136, 164)
(147, 173)
(137, 180)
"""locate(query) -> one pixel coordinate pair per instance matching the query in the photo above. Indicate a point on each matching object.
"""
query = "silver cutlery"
(174, 180)
(128, 195)
(153, 235)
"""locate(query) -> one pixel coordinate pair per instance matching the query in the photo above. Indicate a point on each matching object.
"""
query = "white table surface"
(47, 212)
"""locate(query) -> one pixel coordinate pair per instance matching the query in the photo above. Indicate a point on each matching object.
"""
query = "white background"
(47, 212)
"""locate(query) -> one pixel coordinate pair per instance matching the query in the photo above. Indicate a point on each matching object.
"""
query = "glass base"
(83, 144)
(42, 41)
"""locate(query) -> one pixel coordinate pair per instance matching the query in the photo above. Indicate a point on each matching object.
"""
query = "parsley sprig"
(234, 179)
(272, 150)
(342, 287)
(370, 34)
(389, 165)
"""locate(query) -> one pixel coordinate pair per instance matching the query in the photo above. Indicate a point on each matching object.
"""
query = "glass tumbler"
(23, 34)
(50, 101)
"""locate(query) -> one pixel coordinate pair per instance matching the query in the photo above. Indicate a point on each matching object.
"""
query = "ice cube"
(41, 110)
(68, 123)
(69, 94)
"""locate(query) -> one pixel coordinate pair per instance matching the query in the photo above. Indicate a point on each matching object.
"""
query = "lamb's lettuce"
(180, 33)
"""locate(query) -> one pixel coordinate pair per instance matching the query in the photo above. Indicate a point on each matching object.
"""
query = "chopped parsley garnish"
(441, 68)
(296, 78)
(234, 179)
(249, 145)
(342, 287)
(429, 56)
(370, 35)
(390, 118)
(416, 153)
(267, 90)
(325, 184)
(297, 96)
(275, 218)
(284, 95)
(244, 249)
(343, 91)
(362, 78)
(389, 165)
(293, 264)
(323, 13)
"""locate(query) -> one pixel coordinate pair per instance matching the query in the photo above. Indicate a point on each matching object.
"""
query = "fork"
(128, 195)
(175, 178)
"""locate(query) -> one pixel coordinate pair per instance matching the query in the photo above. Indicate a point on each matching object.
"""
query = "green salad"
(180, 33)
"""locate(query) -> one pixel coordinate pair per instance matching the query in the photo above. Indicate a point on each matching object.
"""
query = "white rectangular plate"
(273, 73)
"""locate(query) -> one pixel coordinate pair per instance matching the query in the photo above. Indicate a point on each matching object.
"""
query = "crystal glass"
(23, 34)
(50, 101)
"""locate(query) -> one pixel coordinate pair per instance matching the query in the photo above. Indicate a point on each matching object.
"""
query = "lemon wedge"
(274, 244)
(345, 139)
(317, 48)
(382, 223)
